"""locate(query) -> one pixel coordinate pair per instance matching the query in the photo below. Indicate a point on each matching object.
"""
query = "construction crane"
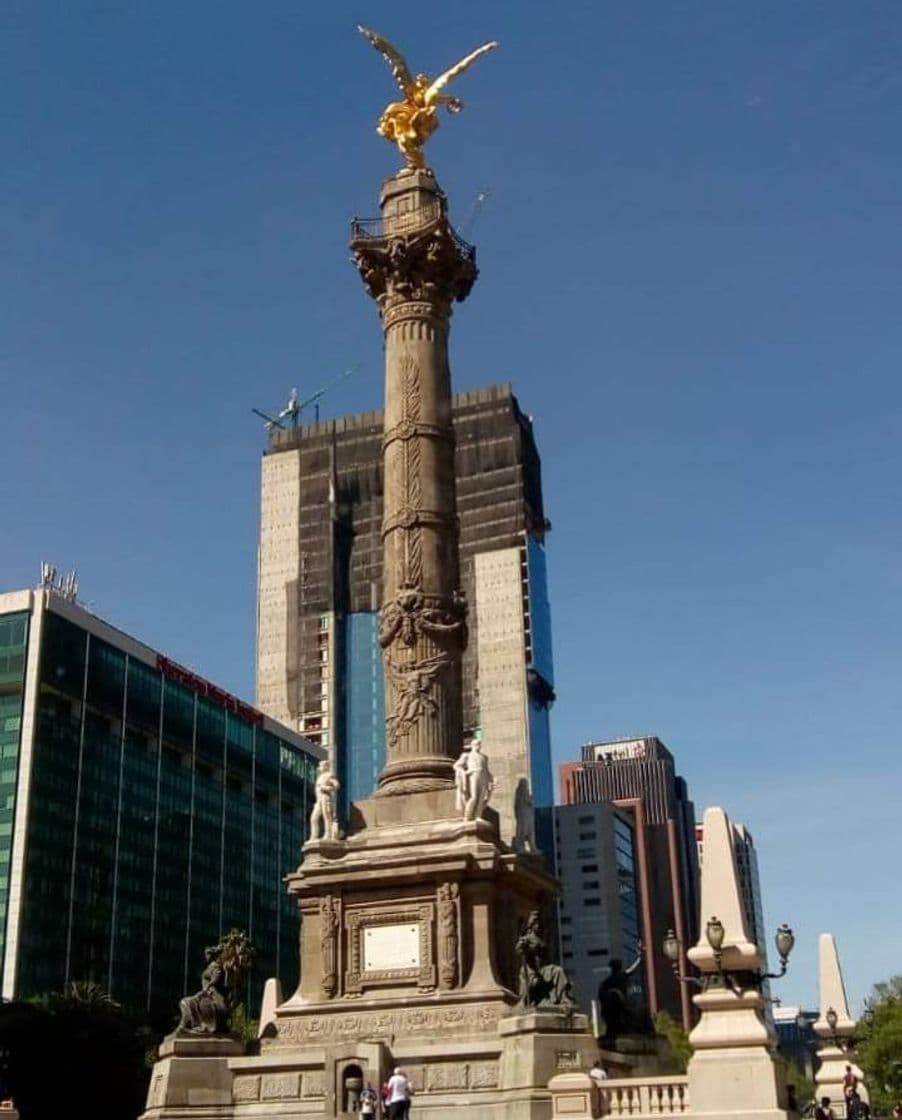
(290, 415)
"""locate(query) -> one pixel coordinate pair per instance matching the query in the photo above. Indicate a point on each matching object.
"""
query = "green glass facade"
(13, 649)
(162, 813)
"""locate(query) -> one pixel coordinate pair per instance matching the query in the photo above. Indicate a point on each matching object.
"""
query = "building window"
(591, 885)
(585, 820)
(587, 836)
(588, 868)
(591, 902)
(585, 853)
(597, 953)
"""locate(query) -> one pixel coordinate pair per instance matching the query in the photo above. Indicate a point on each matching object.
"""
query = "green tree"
(880, 1045)
(236, 955)
(78, 1043)
(677, 1040)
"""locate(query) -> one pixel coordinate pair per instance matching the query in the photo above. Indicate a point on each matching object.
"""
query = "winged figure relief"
(410, 123)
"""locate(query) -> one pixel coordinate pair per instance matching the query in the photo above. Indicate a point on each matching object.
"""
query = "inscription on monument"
(391, 947)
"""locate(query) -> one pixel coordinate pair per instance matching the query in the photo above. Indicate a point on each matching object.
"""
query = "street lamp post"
(714, 935)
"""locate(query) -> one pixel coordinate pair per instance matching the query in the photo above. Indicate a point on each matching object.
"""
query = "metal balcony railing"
(373, 229)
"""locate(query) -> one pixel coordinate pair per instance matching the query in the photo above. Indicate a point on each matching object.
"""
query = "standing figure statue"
(613, 1002)
(324, 818)
(473, 780)
(542, 986)
(410, 123)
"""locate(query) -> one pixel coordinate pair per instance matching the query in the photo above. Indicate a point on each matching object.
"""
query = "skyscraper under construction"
(319, 664)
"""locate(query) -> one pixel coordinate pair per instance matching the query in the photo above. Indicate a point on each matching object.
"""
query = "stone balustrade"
(642, 1097)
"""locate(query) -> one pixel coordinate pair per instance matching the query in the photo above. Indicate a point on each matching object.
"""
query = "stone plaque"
(567, 1059)
(390, 947)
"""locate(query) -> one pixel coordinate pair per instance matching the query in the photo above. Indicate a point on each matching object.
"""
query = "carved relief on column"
(448, 934)
(330, 919)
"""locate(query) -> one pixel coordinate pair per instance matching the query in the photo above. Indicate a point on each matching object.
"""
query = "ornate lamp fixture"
(672, 948)
(832, 1022)
(715, 934)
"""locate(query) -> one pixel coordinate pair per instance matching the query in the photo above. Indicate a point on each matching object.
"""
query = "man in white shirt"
(399, 1093)
(598, 1074)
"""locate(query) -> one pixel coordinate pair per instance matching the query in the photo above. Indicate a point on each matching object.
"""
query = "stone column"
(415, 266)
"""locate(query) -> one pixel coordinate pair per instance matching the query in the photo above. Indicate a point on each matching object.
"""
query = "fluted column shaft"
(415, 267)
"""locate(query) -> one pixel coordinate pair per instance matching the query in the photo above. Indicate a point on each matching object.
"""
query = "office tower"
(639, 775)
(143, 812)
(603, 893)
(319, 662)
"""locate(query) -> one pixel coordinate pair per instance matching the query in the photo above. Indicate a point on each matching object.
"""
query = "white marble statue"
(324, 818)
(524, 818)
(473, 780)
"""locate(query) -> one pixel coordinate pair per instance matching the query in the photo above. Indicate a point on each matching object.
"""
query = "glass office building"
(143, 812)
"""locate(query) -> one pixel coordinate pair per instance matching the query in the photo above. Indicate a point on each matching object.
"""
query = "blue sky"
(690, 265)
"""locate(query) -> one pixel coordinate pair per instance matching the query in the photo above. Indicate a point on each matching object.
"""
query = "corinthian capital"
(430, 264)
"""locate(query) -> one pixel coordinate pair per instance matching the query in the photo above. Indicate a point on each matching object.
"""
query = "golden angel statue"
(410, 123)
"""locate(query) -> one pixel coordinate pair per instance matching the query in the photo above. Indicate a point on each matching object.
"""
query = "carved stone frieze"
(313, 1083)
(401, 1023)
(446, 1075)
(280, 1086)
(483, 1075)
(246, 1088)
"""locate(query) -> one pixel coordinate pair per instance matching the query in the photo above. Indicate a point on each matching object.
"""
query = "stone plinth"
(192, 1072)
(573, 1097)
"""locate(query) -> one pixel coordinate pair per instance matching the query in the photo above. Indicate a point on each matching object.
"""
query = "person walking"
(399, 1094)
(369, 1099)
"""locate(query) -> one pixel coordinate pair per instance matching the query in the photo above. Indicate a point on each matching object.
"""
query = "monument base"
(408, 960)
(464, 1061)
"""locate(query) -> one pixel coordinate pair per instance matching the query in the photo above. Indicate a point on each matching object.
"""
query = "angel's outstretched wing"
(393, 57)
(449, 75)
